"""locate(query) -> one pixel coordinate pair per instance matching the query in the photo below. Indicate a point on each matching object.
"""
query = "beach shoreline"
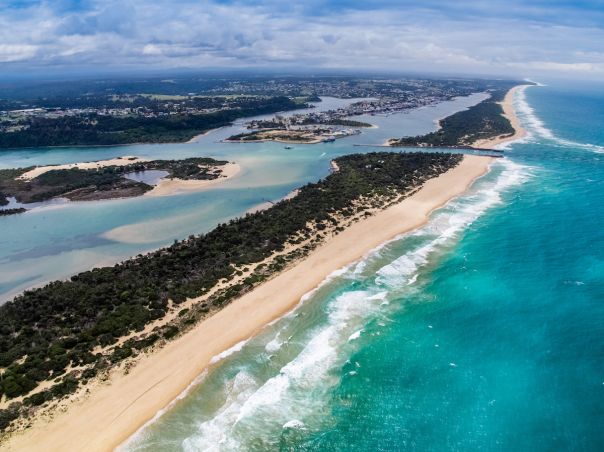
(508, 111)
(116, 410)
(169, 187)
(117, 161)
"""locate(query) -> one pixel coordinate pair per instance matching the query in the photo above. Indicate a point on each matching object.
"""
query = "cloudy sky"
(506, 37)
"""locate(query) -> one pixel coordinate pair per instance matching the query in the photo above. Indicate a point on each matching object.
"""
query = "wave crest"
(536, 128)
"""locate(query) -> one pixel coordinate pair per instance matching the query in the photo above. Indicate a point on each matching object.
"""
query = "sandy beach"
(118, 161)
(508, 112)
(115, 410)
(169, 187)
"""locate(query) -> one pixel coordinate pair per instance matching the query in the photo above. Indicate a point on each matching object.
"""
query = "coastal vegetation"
(306, 135)
(55, 339)
(276, 123)
(99, 183)
(482, 121)
(152, 110)
(161, 122)
(6, 212)
(347, 123)
(282, 135)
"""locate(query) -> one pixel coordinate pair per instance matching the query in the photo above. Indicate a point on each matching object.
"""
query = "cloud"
(152, 49)
(16, 52)
(511, 37)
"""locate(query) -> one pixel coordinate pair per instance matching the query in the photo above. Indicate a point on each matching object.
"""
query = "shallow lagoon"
(57, 240)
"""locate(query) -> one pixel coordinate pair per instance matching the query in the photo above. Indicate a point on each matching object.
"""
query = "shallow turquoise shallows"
(57, 240)
(484, 330)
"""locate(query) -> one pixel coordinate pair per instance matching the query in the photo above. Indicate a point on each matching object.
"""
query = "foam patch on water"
(228, 352)
(536, 127)
(259, 411)
(530, 120)
(288, 398)
(274, 345)
(131, 443)
(212, 435)
(294, 423)
(448, 224)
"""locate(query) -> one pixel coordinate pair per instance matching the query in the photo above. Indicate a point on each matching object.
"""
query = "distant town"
(153, 111)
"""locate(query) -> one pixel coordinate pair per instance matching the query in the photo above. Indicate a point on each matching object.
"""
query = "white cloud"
(203, 33)
(562, 67)
(151, 49)
(16, 52)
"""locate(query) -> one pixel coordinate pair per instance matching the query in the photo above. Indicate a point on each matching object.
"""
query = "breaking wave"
(280, 383)
(537, 129)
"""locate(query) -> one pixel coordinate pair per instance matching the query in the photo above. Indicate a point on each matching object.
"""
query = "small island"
(122, 177)
(308, 128)
(307, 135)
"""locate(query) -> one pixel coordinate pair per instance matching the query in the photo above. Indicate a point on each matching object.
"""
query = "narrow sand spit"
(117, 409)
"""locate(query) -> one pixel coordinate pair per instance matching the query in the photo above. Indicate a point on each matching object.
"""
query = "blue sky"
(504, 37)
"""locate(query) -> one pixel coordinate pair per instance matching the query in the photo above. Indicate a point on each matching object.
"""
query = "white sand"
(118, 161)
(168, 187)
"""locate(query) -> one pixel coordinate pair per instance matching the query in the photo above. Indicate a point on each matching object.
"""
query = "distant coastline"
(480, 127)
(114, 411)
(510, 113)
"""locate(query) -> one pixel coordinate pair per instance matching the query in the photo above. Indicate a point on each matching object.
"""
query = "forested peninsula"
(463, 129)
(55, 339)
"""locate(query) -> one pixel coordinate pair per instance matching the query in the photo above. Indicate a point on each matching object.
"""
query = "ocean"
(482, 330)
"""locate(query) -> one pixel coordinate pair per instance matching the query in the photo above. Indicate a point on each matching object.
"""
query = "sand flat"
(169, 187)
(118, 161)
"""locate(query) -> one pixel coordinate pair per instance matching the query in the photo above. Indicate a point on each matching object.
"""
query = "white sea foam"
(530, 120)
(302, 385)
(458, 215)
(294, 423)
(131, 443)
(355, 335)
(274, 345)
(285, 396)
(228, 352)
(537, 129)
(212, 435)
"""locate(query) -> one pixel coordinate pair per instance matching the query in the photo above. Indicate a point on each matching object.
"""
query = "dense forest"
(54, 333)
(95, 129)
(6, 212)
(484, 120)
(346, 123)
(102, 183)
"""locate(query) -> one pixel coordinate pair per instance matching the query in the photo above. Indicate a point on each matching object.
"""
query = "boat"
(288, 147)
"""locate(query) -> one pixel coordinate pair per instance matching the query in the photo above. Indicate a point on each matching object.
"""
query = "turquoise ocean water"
(482, 330)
